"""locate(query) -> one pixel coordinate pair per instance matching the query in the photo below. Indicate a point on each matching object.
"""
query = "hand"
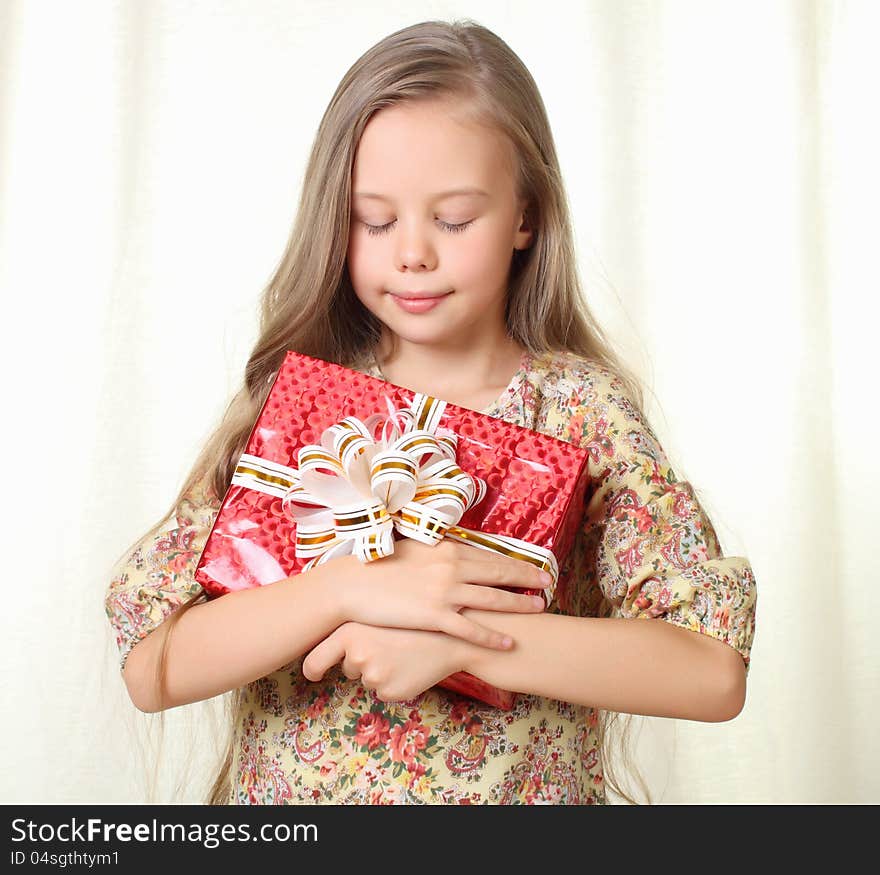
(425, 587)
(397, 663)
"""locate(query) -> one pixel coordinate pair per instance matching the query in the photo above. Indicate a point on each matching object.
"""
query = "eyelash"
(374, 230)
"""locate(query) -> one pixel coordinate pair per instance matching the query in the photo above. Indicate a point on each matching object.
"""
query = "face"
(411, 236)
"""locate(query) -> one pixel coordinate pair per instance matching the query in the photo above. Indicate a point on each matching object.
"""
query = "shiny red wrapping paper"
(535, 484)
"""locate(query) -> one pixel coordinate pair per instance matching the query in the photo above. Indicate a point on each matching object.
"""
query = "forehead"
(423, 149)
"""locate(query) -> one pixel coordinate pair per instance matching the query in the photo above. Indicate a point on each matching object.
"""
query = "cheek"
(364, 299)
(360, 261)
(481, 259)
(354, 253)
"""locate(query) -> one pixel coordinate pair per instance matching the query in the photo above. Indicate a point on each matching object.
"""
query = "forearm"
(232, 640)
(645, 667)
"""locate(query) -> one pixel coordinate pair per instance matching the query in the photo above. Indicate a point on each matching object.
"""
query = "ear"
(524, 234)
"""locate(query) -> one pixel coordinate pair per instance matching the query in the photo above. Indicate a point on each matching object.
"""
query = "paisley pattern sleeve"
(157, 577)
(647, 548)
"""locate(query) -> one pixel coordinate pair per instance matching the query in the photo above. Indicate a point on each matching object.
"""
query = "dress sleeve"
(157, 576)
(649, 546)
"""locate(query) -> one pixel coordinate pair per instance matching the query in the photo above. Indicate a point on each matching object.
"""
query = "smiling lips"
(418, 302)
(418, 295)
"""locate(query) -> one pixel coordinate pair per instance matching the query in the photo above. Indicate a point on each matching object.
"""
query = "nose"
(414, 250)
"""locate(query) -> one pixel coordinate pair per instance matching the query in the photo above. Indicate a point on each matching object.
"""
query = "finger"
(330, 651)
(467, 630)
(472, 550)
(488, 598)
(350, 669)
(520, 568)
(500, 573)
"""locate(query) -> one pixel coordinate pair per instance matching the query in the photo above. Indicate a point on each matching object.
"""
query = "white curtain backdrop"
(721, 165)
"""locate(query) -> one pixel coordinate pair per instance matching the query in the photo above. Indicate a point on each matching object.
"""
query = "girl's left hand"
(397, 663)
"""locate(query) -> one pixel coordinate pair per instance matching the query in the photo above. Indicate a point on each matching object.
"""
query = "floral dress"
(645, 549)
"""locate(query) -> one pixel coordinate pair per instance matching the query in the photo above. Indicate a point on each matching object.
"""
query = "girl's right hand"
(425, 587)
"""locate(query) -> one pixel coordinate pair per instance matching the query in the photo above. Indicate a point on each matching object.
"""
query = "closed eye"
(382, 229)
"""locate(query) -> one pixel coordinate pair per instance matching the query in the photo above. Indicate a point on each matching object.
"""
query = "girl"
(432, 248)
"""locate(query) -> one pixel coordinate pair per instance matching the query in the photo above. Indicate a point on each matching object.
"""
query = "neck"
(451, 370)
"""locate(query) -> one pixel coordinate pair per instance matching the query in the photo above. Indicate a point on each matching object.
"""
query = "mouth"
(418, 296)
(418, 302)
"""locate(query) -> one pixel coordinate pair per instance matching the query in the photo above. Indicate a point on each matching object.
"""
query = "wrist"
(464, 655)
(477, 660)
(340, 580)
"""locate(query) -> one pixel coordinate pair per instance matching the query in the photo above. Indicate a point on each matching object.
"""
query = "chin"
(420, 337)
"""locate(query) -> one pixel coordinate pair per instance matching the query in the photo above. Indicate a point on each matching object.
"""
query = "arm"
(637, 667)
(224, 643)
(633, 666)
(230, 641)
(648, 550)
(647, 547)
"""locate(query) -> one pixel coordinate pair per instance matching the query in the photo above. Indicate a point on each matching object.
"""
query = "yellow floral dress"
(645, 549)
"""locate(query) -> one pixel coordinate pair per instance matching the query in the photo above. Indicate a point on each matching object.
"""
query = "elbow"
(143, 707)
(138, 668)
(723, 678)
(734, 699)
(136, 692)
(730, 709)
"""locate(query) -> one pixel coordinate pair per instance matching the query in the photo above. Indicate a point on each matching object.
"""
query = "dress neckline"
(495, 406)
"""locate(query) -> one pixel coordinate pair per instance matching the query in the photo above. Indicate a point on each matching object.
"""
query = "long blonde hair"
(309, 304)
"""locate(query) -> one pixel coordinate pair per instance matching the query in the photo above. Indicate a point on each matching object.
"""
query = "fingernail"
(507, 641)
(546, 577)
(538, 600)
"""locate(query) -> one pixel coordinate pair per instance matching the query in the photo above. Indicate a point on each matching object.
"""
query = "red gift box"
(526, 488)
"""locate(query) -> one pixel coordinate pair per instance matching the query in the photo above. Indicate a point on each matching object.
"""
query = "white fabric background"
(721, 164)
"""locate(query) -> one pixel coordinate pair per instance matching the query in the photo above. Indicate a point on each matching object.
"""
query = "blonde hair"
(309, 304)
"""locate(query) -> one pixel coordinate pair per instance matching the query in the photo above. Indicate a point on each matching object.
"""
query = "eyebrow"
(439, 196)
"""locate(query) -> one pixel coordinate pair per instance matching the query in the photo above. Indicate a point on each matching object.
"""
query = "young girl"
(432, 248)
